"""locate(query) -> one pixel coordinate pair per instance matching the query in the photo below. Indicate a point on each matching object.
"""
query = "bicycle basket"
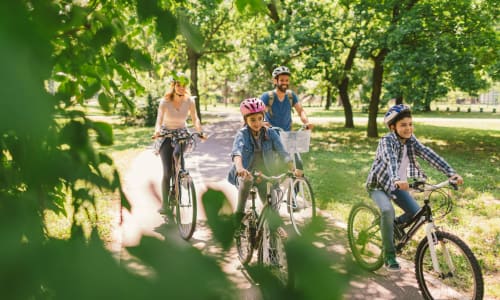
(296, 141)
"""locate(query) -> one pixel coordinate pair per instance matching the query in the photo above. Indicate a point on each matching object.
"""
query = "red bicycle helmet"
(252, 106)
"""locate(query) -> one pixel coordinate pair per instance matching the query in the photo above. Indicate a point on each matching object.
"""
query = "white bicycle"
(296, 191)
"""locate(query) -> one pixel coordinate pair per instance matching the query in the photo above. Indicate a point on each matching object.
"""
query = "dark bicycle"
(445, 266)
(262, 231)
(182, 202)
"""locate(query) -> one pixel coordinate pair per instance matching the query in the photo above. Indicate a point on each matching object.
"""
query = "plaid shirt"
(384, 171)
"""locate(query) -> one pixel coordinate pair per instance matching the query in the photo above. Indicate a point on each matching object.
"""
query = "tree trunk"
(346, 102)
(328, 98)
(193, 59)
(378, 74)
(344, 87)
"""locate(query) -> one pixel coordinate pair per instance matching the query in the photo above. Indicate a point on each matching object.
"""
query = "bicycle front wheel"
(186, 207)
(245, 238)
(301, 204)
(272, 253)
(459, 276)
(363, 231)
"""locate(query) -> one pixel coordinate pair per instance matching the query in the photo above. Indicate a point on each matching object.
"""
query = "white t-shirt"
(405, 161)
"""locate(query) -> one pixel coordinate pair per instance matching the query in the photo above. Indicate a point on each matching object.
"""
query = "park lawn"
(340, 158)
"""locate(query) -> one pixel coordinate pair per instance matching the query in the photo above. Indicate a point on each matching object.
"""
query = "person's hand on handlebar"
(155, 135)
(402, 185)
(457, 179)
(203, 136)
(308, 126)
(244, 173)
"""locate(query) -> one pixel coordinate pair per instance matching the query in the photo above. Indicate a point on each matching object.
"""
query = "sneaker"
(391, 264)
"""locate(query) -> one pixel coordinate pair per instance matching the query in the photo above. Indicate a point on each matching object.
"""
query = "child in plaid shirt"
(395, 162)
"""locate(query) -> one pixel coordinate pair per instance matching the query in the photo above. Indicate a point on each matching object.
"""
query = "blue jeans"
(405, 201)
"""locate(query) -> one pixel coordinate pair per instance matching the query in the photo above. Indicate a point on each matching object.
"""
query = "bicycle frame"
(424, 215)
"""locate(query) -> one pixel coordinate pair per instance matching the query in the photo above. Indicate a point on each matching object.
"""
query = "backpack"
(271, 100)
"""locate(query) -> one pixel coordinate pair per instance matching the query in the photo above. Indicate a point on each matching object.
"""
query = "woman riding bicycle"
(255, 148)
(395, 161)
(173, 112)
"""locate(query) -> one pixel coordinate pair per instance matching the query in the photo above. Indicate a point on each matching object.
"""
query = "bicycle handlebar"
(277, 178)
(172, 135)
(422, 186)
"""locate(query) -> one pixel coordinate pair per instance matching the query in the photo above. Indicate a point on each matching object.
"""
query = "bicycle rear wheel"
(460, 274)
(272, 253)
(245, 238)
(301, 206)
(363, 231)
(186, 207)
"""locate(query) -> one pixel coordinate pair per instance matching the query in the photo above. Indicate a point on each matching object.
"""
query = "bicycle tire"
(245, 238)
(271, 252)
(465, 282)
(186, 207)
(301, 204)
(365, 241)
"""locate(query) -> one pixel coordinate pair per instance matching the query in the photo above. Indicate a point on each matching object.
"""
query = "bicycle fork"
(433, 241)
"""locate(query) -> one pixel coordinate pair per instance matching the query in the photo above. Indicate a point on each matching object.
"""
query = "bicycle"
(450, 271)
(301, 204)
(182, 201)
(261, 231)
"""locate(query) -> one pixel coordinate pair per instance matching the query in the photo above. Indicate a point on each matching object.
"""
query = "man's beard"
(282, 87)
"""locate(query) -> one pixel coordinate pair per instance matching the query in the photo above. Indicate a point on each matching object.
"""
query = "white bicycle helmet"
(393, 113)
(280, 71)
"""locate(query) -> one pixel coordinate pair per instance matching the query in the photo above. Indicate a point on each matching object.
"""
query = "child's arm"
(240, 170)
(433, 159)
(387, 153)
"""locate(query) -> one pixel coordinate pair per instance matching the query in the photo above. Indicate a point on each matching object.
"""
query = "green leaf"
(104, 133)
(92, 89)
(122, 52)
(193, 36)
(142, 60)
(102, 37)
(147, 9)
(220, 222)
(104, 102)
(167, 25)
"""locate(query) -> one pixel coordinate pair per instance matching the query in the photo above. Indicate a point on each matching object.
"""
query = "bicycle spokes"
(186, 207)
(364, 237)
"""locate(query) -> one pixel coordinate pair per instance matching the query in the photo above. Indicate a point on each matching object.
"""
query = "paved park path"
(209, 165)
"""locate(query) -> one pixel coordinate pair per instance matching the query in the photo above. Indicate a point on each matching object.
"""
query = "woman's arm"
(159, 117)
(194, 116)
